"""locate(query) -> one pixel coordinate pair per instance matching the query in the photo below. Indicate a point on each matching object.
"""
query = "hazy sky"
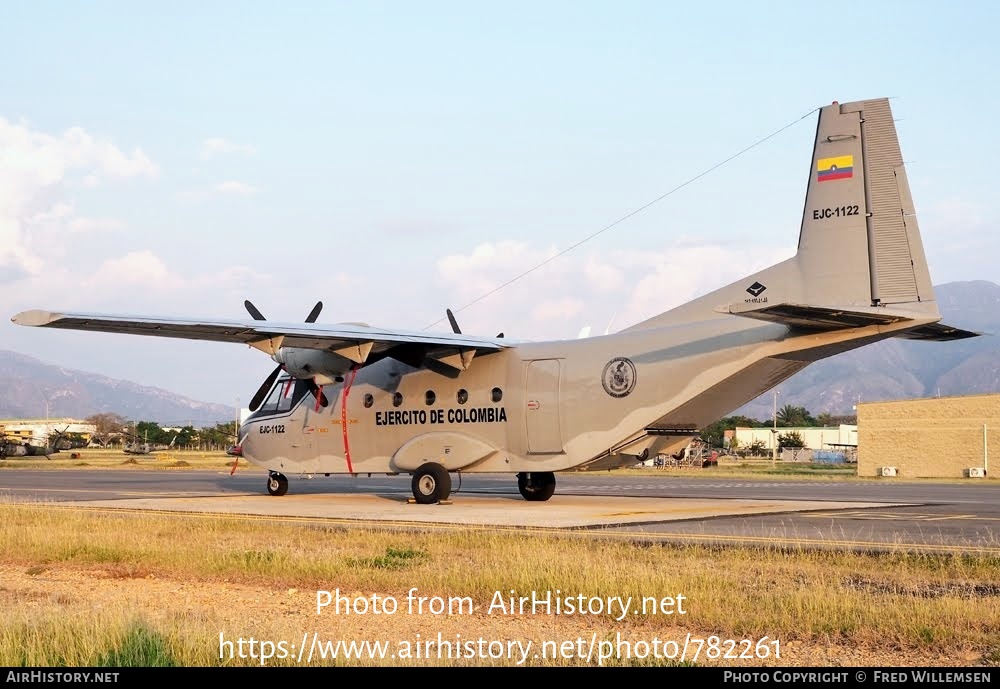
(394, 159)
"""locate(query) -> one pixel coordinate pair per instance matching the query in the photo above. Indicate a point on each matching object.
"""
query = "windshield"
(285, 394)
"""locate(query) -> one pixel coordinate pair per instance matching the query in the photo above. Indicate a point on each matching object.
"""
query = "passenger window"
(429, 397)
(463, 396)
(496, 395)
(397, 399)
(369, 400)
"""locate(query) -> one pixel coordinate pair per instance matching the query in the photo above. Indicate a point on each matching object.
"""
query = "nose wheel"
(277, 484)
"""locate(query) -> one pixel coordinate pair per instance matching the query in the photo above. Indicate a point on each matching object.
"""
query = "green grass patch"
(139, 647)
(392, 559)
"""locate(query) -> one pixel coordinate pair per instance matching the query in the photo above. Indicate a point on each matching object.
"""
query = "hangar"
(938, 437)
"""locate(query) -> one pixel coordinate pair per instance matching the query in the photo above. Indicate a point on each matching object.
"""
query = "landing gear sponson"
(432, 483)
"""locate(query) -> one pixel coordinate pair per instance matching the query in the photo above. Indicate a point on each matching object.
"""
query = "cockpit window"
(285, 394)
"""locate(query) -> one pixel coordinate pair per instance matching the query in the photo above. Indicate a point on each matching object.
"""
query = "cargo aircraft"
(358, 399)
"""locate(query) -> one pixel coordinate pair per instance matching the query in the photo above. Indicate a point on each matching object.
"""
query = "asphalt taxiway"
(870, 515)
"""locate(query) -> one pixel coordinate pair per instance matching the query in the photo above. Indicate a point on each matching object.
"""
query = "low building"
(936, 437)
(38, 431)
(834, 438)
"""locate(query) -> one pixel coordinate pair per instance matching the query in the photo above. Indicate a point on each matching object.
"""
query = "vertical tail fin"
(859, 243)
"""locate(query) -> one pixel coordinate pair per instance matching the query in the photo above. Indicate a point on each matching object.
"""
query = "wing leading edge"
(265, 335)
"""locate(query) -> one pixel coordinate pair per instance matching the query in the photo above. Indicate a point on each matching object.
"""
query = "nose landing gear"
(277, 484)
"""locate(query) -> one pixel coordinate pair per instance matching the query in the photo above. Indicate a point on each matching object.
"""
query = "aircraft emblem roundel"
(618, 377)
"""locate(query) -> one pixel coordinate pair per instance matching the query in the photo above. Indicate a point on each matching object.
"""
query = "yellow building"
(813, 438)
(38, 431)
(938, 437)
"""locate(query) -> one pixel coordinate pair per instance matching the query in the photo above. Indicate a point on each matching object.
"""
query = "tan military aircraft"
(356, 399)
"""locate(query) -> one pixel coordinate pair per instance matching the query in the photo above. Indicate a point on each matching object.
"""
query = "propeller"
(258, 398)
(454, 323)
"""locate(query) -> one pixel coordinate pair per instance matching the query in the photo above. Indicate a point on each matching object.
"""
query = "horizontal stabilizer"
(818, 317)
(821, 318)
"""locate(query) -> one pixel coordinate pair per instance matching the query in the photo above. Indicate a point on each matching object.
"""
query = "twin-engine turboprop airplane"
(352, 398)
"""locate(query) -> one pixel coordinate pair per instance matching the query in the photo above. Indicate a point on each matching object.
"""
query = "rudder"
(859, 243)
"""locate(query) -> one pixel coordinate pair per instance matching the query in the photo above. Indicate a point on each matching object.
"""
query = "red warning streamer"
(348, 382)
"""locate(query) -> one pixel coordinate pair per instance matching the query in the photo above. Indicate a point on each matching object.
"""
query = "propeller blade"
(265, 387)
(454, 323)
(318, 392)
(314, 314)
(254, 313)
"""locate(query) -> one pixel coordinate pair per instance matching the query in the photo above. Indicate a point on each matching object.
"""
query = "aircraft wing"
(264, 335)
(832, 318)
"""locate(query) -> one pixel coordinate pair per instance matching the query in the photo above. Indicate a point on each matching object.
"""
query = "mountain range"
(27, 383)
(904, 369)
(887, 370)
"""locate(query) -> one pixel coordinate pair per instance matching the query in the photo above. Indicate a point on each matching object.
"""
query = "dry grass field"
(82, 588)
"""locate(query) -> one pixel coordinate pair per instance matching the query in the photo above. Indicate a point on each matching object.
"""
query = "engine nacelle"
(323, 367)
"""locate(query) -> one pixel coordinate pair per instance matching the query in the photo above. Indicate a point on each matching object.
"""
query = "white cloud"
(85, 149)
(217, 146)
(488, 266)
(58, 212)
(33, 168)
(232, 187)
(88, 225)
(148, 271)
(592, 289)
(136, 268)
(562, 309)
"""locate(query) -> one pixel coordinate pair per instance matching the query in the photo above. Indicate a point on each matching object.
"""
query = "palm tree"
(790, 415)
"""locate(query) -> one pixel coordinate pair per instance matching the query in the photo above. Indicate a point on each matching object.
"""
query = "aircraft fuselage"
(540, 406)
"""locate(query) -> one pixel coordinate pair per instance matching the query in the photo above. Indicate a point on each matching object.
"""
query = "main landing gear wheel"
(431, 483)
(277, 484)
(536, 486)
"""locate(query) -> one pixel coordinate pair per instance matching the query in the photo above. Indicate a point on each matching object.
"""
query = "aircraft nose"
(245, 443)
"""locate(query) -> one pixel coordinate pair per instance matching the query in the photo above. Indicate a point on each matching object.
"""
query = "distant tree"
(185, 436)
(221, 436)
(108, 427)
(791, 416)
(150, 432)
(715, 432)
(758, 448)
(827, 419)
(791, 439)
